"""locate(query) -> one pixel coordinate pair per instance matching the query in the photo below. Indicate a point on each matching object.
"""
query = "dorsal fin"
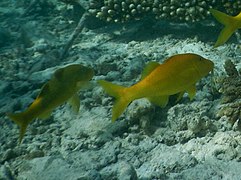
(45, 90)
(59, 74)
(149, 68)
(45, 115)
(170, 58)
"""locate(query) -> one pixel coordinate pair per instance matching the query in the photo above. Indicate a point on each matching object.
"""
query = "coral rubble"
(231, 96)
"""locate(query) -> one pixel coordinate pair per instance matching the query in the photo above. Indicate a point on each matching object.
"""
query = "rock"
(5, 37)
(121, 170)
(35, 154)
(126, 171)
(9, 154)
(6, 172)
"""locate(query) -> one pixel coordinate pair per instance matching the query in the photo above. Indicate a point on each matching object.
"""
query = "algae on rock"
(230, 87)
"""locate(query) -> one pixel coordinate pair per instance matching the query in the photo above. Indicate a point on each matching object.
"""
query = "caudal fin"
(121, 99)
(19, 119)
(230, 23)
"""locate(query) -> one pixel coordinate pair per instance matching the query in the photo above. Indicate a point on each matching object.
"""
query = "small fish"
(231, 23)
(176, 75)
(62, 87)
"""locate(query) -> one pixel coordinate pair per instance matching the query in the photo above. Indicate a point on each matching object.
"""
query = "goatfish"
(62, 87)
(231, 23)
(177, 75)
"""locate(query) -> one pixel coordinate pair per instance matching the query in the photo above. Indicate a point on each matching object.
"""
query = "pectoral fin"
(159, 100)
(83, 85)
(179, 96)
(45, 115)
(75, 103)
(191, 92)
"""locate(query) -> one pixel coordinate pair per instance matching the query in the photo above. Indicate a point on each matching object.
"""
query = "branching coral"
(176, 10)
(119, 10)
(231, 94)
(73, 2)
(232, 7)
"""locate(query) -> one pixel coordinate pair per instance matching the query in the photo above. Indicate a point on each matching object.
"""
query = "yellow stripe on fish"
(177, 74)
(231, 23)
(62, 87)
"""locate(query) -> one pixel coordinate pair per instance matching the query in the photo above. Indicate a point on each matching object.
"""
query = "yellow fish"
(62, 87)
(231, 25)
(176, 75)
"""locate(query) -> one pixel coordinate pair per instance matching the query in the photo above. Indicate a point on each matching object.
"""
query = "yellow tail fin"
(230, 23)
(121, 100)
(20, 120)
